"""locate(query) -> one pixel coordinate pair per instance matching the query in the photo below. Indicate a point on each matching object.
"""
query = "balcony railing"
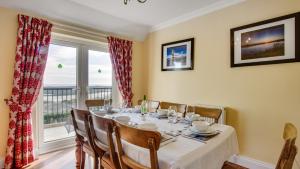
(58, 102)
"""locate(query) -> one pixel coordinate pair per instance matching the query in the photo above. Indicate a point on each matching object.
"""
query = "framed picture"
(177, 55)
(268, 42)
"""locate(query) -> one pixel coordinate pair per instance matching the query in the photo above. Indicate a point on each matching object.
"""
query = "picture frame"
(271, 41)
(178, 55)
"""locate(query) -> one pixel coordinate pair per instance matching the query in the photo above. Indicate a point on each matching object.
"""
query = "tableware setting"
(200, 131)
(147, 126)
(200, 126)
(160, 114)
(192, 117)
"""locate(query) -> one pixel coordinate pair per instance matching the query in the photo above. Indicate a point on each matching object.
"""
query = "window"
(74, 72)
(100, 75)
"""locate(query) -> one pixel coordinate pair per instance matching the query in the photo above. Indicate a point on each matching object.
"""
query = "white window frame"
(82, 81)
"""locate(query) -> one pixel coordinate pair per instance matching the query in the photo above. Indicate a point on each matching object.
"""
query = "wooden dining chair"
(143, 138)
(153, 105)
(84, 142)
(181, 108)
(288, 152)
(90, 103)
(102, 136)
(210, 114)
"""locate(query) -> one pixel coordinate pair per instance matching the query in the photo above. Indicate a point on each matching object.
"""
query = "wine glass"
(106, 103)
(124, 104)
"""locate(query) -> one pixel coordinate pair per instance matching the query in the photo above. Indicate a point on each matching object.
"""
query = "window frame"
(83, 46)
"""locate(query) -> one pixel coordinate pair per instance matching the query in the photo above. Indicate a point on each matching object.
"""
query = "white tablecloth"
(185, 153)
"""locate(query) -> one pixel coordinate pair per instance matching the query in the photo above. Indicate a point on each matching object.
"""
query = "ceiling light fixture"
(140, 1)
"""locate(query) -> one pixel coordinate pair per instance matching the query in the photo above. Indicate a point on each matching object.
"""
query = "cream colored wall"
(260, 99)
(8, 32)
(138, 71)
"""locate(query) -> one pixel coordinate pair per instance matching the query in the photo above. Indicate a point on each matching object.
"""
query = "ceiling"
(134, 20)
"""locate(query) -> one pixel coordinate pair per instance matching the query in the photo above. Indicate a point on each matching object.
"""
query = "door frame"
(82, 82)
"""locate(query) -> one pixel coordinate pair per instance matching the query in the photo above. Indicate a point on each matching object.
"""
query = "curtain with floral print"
(121, 57)
(31, 55)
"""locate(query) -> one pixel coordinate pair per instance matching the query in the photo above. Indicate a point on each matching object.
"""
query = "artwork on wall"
(177, 55)
(268, 42)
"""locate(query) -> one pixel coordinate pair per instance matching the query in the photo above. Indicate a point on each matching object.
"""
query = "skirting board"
(1, 162)
(241, 160)
(251, 163)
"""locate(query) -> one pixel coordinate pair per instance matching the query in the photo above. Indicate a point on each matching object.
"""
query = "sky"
(66, 75)
(263, 35)
(178, 50)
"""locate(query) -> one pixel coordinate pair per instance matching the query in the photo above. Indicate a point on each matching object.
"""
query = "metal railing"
(58, 101)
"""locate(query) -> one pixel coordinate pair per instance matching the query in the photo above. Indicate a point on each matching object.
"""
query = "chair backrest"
(102, 136)
(153, 105)
(210, 114)
(181, 108)
(230, 165)
(95, 103)
(81, 125)
(149, 140)
(289, 150)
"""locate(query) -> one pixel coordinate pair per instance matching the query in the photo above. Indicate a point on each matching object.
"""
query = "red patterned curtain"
(121, 55)
(31, 56)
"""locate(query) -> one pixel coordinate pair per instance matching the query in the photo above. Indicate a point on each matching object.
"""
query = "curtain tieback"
(14, 106)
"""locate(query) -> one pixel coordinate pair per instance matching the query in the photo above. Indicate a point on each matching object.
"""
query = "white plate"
(190, 133)
(208, 131)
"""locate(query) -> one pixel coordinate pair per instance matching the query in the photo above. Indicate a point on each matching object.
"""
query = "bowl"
(148, 126)
(123, 119)
(162, 112)
(200, 125)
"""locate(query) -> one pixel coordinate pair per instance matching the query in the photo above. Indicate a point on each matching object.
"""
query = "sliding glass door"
(74, 72)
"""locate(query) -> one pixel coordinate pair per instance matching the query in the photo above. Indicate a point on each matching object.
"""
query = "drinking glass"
(190, 112)
(172, 114)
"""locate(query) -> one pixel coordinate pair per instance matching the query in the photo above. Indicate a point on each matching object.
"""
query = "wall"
(9, 25)
(259, 99)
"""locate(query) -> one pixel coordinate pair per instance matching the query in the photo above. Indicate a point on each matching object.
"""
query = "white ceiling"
(134, 20)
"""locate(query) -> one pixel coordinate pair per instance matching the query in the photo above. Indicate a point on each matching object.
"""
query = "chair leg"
(82, 163)
(96, 162)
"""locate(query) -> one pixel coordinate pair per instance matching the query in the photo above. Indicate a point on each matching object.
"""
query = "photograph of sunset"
(263, 43)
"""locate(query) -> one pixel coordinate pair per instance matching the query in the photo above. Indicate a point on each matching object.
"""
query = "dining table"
(181, 152)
